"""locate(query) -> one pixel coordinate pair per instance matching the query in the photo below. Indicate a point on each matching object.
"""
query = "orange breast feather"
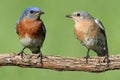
(81, 29)
(31, 28)
(84, 28)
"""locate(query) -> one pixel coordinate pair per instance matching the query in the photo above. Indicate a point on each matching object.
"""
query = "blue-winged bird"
(31, 30)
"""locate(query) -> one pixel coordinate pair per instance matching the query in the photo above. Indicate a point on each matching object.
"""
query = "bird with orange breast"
(31, 30)
(91, 33)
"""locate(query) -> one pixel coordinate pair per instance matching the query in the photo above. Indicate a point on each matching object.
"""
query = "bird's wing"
(17, 22)
(44, 29)
(99, 23)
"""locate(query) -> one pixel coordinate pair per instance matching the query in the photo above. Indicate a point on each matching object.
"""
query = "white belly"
(89, 42)
(28, 42)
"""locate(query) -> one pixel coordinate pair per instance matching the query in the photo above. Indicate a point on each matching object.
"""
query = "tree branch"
(95, 64)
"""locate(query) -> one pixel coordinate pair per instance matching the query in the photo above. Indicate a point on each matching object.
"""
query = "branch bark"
(95, 64)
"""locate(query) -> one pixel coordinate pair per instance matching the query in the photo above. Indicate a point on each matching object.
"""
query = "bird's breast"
(31, 28)
(86, 32)
(81, 30)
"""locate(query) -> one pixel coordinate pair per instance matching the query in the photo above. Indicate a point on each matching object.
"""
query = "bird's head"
(32, 12)
(79, 15)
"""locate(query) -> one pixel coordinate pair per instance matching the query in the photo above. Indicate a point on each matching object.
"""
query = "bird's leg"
(41, 57)
(106, 58)
(87, 56)
(37, 51)
(22, 52)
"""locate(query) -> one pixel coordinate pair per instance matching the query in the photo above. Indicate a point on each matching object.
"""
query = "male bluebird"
(91, 33)
(31, 30)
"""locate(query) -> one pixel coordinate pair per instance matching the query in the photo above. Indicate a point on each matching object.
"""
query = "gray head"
(79, 15)
(32, 12)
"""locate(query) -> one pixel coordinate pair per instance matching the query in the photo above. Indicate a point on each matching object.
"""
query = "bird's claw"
(106, 59)
(21, 54)
(41, 57)
(86, 57)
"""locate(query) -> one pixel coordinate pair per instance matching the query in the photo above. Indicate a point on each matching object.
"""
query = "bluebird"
(91, 33)
(31, 30)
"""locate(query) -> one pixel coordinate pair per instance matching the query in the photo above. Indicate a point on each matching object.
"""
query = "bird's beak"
(41, 12)
(69, 16)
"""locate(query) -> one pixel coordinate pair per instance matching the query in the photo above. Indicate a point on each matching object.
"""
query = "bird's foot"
(86, 57)
(106, 59)
(21, 54)
(41, 57)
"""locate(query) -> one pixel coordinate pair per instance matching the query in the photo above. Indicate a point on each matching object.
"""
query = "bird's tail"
(103, 52)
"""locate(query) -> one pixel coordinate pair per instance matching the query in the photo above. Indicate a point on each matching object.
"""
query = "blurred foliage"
(60, 38)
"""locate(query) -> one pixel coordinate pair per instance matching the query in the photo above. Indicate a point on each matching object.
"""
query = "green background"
(60, 38)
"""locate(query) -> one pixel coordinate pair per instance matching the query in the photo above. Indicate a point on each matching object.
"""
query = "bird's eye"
(78, 14)
(31, 11)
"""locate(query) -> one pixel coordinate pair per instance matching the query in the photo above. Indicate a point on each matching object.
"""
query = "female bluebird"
(91, 33)
(31, 30)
